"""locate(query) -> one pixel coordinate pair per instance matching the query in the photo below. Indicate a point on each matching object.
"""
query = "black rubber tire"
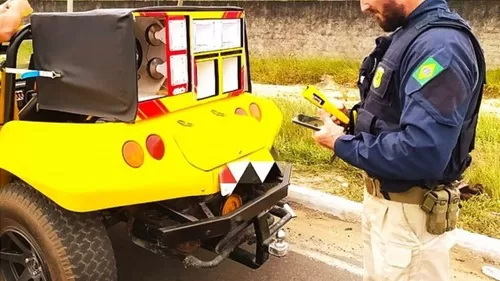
(73, 246)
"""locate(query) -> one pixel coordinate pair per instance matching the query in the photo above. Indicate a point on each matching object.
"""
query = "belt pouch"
(436, 206)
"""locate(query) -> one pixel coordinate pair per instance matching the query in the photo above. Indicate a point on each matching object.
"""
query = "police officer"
(12, 13)
(412, 134)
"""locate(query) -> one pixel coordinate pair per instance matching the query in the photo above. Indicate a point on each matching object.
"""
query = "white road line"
(340, 264)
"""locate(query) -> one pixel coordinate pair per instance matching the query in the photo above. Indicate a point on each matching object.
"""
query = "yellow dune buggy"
(138, 116)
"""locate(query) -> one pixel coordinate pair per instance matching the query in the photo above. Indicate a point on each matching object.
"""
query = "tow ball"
(279, 247)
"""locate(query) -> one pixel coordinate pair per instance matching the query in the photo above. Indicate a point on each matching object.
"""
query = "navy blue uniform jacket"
(431, 115)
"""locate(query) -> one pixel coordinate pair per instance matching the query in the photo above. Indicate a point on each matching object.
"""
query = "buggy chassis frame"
(246, 224)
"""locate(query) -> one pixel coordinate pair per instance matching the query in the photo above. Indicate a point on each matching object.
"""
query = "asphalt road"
(137, 264)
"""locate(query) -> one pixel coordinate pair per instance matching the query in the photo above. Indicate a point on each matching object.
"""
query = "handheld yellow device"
(316, 97)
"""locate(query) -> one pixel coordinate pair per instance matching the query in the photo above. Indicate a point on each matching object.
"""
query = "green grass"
(295, 144)
(296, 70)
(492, 89)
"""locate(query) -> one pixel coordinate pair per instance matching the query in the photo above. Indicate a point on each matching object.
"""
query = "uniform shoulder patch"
(427, 70)
(377, 79)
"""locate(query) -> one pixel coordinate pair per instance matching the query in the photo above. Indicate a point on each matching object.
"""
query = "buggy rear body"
(145, 117)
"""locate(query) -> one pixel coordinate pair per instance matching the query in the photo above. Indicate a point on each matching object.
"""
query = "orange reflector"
(133, 154)
(232, 203)
(255, 111)
(240, 111)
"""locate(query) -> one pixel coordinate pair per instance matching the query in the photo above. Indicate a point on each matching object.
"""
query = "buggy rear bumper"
(223, 235)
(268, 240)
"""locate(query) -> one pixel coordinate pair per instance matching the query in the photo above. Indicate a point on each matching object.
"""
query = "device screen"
(308, 121)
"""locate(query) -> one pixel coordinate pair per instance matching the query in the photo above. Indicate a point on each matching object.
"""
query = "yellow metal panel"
(2, 97)
(208, 59)
(219, 75)
(218, 51)
(199, 14)
(80, 166)
(233, 55)
(196, 14)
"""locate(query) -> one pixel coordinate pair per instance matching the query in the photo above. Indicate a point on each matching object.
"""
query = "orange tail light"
(133, 154)
(232, 203)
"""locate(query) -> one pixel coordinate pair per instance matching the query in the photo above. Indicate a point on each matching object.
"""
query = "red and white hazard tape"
(247, 172)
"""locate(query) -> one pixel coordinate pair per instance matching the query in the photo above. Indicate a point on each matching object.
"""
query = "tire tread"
(81, 241)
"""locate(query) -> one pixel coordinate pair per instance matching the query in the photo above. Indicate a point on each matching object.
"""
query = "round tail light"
(232, 203)
(133, 154)
(155, 147)
(240, 111)
(255, 111)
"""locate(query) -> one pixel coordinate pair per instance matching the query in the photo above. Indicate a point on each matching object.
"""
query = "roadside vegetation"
(312, 163)
(480, 214)
(296, 70)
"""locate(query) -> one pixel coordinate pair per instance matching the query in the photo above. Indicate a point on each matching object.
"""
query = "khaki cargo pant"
(397, 246)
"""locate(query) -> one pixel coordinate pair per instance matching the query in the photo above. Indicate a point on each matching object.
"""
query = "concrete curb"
(351, 211)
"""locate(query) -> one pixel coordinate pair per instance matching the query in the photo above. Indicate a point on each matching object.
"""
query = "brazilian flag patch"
(429, 69)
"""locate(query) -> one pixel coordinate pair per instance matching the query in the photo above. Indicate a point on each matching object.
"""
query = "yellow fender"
(81, 167)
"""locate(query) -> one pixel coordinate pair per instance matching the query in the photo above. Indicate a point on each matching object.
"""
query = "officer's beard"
(393, 16)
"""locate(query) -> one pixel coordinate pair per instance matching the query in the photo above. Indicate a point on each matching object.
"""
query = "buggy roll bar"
(11, 61)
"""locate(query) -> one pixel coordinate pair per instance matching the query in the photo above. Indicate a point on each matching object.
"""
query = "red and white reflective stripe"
(151, 108)
(232, 15)
(232, 173)
(180, 88)
(262, 168)
(238, 169)
(227, 181)
(155, 14)
(225, 176)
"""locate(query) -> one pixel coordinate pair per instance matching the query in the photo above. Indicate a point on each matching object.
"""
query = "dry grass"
(312, 166)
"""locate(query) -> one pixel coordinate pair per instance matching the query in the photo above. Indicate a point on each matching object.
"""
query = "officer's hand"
(329, 132)
(468, 191)
(323, 114)
(340, 105)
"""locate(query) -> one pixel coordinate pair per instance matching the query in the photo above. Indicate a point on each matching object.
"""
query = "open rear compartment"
(189, 57)
(128, 65)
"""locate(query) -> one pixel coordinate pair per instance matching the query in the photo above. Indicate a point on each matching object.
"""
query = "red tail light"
(240, 111)
(155, 146)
